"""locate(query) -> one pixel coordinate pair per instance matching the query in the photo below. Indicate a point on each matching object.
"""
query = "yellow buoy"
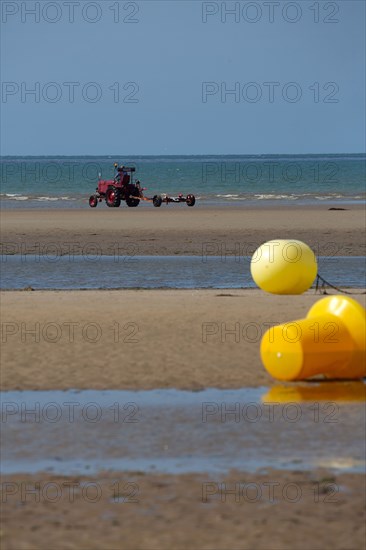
(331, 341)
(284, 267)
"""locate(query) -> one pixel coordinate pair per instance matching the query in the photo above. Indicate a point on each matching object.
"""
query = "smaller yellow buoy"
(331, 341)
(284, 267)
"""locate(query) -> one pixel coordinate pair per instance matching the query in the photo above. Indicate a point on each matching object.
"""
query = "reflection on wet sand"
(315, 391)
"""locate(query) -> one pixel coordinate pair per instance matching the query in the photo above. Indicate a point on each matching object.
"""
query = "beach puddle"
(93, 271)
(172, 431)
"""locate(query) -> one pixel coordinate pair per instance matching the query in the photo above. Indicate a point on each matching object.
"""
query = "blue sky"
(153, 77)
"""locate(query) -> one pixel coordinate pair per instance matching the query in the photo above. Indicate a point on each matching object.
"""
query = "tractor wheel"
(157, 200)
(93, 201)
(132, 202)
(135, 192)
(112, 197)
(191, 200)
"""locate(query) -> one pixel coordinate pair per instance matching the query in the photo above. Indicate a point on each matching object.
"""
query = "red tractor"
(123, 188)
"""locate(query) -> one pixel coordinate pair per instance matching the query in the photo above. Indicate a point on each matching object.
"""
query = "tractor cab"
(123, 175)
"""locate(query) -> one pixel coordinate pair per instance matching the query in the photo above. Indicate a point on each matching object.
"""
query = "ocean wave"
(19, 197)
(276, 197)
(46, 199)
(227, 196)
(14, 197)
(328, 197)
(285, 196)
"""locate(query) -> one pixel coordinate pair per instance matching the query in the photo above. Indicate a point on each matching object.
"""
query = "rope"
(321, 288)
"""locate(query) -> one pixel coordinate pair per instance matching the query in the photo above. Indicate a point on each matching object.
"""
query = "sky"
(182, 77)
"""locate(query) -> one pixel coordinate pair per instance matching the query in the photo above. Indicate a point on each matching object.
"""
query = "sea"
(67, 182)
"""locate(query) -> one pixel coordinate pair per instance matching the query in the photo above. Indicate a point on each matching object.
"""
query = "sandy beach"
(185, 339)
(156, 338)
(133, 339)
(171, 230)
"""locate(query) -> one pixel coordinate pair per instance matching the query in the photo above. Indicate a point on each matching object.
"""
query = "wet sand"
(140, 339)
(177, 229)
(267, 510)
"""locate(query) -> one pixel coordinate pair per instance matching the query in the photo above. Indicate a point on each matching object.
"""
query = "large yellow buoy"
(331, 341)
(284, 267)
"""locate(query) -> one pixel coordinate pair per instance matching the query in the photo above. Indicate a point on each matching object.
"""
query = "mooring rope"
(321, 288)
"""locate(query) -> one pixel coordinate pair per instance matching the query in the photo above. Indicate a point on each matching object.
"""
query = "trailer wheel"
(157, 200)
(191, 200)
(93, 201)
(112, 197)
